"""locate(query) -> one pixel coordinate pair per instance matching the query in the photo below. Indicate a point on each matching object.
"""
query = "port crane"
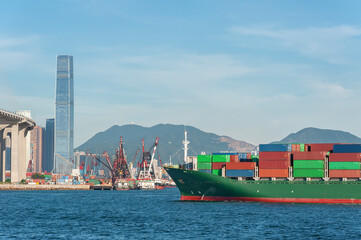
(146, 165)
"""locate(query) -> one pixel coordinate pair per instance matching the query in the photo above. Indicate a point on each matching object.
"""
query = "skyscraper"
(36, 143)
(48, 160)
(64, 116)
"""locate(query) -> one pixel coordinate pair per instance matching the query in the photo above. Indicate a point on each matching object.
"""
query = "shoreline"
(11, 187)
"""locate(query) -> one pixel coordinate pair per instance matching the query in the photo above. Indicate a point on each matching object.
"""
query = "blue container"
(242, 155)
(239, 173)
(347, 148)
(274, 147)
(232, 153)
(206, 171)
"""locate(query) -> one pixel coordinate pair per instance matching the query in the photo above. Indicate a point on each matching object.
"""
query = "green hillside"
(170, 141)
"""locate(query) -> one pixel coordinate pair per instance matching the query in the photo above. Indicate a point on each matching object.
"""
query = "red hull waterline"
(272, 200)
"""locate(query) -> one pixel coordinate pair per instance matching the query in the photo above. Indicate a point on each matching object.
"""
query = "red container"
(344, 174)
(218, 165)
(273, 164)
(234, 158)
(309, 155)
(249, 155)
(319, 147)
(240, 166)
(345, 157)
(274, 155)
(296, 147)
(273, 172)
(28, 174)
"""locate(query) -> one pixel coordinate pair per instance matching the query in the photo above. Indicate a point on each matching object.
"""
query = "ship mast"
(185, 147)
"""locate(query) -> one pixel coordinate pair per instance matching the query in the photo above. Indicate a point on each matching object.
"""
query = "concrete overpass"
(13, 130)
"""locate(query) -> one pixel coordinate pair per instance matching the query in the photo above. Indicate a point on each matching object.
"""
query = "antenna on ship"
(185, 145)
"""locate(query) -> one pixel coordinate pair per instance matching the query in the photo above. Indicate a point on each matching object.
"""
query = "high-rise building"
(64, 116)
(36, 143)
(48, 160)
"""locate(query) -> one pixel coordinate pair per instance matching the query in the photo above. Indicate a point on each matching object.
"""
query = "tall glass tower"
(48, 160)
(64, 116)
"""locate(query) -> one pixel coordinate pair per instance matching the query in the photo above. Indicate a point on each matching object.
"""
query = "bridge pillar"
(2, 155)
(18, 152)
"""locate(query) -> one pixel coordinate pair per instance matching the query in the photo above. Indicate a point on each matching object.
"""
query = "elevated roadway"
(13, 130)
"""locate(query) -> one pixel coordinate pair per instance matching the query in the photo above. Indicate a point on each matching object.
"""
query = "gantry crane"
(146, 170)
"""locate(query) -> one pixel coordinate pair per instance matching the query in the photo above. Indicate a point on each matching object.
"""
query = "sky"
(251, 70)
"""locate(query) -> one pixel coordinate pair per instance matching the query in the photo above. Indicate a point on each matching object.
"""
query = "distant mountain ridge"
(316, 135)
(170, 141)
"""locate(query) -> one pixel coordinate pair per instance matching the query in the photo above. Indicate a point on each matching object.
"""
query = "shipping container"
(345, 157)
(317, 155)
(274, 148)
(315, 172)
(204, 165)
(320, 147)
(308, 164)
(204, 158)
(221, 158)
(239, 173)
(234, 158)
(273, 164)
(302, 147)
(347, 148)
(274, 155)
(240, 165)
(205, 170)
(217, 172)
(225, 153)
(243, 155)
(344, 174)
(344, 165)
(281, 173)
(218, 165)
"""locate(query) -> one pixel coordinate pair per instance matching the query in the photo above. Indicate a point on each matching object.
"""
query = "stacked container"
(309, 164)
(220, 159)
(274, 160)
(240, 169)
(344, 162)
(204, 163)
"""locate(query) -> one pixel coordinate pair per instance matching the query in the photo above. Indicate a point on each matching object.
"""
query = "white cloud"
(329, 43)
(333, 90)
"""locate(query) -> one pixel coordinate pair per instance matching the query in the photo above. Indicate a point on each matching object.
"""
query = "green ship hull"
(201, 186)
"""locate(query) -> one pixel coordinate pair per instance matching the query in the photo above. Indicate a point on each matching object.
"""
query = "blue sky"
(252, 70)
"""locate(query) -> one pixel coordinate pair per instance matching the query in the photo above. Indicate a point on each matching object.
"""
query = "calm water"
(159, 215)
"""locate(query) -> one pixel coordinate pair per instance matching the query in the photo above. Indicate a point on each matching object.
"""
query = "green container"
(316, 172)
(308, 164)
(204, 165)
(95, 181)
(221, 158)
(344, 165)
(204, 158)
(217, 172)
(302, 147)
(47, 176)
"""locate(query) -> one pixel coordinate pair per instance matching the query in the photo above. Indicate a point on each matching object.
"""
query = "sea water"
(159, 214)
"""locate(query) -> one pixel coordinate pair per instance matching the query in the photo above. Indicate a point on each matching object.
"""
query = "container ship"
(289, 173)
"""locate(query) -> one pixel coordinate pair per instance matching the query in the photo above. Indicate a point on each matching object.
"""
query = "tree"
(37, 176)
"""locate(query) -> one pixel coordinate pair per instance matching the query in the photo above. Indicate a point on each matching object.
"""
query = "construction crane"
(146, 171)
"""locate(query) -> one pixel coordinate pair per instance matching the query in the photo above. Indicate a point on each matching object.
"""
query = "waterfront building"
(36, 143)
(64, 115)
(48, 161)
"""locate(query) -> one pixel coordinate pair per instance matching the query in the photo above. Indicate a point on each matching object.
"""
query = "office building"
(48, 160)
(64, 115)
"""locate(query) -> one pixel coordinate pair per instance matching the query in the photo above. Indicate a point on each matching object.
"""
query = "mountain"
(170, 141)
(316, 135)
